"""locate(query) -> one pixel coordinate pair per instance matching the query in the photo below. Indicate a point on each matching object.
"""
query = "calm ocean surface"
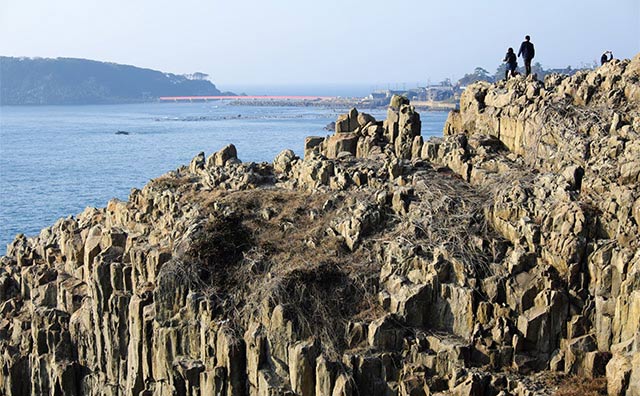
(57, 160)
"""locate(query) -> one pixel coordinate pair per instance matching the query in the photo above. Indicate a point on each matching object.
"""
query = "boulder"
(343, 142)
(226, 155)
(365, 120)
(312, 144)
(283, 161)
(197, 163)
(347, 123)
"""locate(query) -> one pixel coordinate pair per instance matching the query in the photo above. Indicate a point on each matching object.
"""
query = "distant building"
(436, 93)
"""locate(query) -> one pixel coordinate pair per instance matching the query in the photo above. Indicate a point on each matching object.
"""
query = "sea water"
(57, 160)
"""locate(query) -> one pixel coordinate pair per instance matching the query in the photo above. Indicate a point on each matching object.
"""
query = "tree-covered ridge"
(32, 81)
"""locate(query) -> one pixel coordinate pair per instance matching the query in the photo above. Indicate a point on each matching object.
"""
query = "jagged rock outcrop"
(570, 145)
(488, 262)
(360, 135)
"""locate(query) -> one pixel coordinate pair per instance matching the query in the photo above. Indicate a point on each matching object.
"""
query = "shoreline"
(202, 126)
(332, 103)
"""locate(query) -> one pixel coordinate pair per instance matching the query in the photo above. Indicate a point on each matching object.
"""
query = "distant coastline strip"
(204, 98)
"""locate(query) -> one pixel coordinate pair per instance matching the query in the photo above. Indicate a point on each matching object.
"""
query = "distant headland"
(61, 81)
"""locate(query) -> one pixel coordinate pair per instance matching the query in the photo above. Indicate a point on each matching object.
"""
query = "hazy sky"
(303, 41)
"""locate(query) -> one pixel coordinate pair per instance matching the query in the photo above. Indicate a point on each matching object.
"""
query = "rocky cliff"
(487, 262)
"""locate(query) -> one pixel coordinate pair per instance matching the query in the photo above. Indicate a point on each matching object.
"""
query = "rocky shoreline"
(486, 262)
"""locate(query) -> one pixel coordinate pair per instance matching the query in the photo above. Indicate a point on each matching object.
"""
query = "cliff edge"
(491, 261)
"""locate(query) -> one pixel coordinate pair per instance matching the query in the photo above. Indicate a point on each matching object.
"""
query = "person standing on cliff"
(603, 58)
(528, 52)
(512, 63)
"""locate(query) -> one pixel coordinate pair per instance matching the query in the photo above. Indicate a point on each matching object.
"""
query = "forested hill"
(40, 81)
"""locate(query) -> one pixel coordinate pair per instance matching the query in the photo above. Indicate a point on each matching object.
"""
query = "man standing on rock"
(528, 52)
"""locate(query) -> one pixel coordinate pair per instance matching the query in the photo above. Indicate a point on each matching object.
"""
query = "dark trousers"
(527, 66)
(508, 73)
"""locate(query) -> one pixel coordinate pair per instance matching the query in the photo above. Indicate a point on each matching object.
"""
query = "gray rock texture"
(491, 261)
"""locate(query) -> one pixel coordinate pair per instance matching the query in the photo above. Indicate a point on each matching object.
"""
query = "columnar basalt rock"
(377, 264)
(575, 213)
(402, 126)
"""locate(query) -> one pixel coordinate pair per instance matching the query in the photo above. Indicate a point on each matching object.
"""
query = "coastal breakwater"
(376, 263)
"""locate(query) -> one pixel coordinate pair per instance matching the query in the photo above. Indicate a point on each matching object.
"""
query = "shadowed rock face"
(490, 260)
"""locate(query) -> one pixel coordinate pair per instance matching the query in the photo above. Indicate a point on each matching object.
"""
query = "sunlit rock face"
(489, 261)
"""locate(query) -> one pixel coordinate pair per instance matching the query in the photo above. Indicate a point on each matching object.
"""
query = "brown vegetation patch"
(582, 386)
(447, 213)
(218, 250)
(267, 247)
(168, 182)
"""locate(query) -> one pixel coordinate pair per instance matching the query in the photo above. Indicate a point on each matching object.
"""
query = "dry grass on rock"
(447, 214)
(264, 248)
(582, 386)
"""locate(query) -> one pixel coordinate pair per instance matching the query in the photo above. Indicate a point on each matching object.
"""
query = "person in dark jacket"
(603, 58)
(512, 63)
(528, 52)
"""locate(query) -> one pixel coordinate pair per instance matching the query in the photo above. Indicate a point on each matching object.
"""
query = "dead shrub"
(582, 386)
(265, 248)
(452, 216)
(168, 182)
(218, 251)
